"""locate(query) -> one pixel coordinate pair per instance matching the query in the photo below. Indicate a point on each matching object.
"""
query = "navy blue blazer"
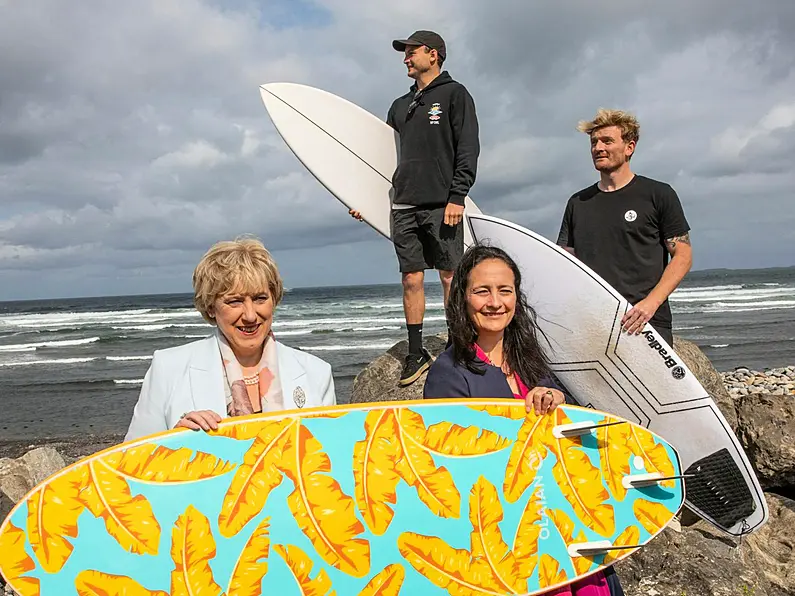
(448, 379)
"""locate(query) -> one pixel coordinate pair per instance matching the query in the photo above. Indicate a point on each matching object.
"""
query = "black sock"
(415, 339)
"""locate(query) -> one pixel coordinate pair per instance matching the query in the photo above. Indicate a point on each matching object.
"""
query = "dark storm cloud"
(132, 135)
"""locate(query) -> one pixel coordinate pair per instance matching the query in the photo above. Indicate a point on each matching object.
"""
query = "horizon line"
(433, 281)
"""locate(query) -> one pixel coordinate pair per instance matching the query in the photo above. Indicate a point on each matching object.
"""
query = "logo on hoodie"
(434, 113)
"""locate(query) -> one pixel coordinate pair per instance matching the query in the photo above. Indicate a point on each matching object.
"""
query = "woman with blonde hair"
(240, 369)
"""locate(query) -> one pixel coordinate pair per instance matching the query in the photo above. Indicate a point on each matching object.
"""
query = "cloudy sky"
(132, 134)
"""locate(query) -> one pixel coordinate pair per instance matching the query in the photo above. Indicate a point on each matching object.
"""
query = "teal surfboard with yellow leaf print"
(416, 497)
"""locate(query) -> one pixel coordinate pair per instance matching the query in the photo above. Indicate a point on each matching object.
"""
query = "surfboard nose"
(276, 87)
(271, 91)
(306, 100)
(283, 89)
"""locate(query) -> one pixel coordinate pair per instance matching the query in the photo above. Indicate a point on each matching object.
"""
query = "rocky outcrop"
(19, 476)
(764, 422)
(710, 378)
(703, 561)
(766, 429)
(379, 380)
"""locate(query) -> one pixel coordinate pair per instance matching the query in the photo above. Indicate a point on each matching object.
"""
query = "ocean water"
(76, 366)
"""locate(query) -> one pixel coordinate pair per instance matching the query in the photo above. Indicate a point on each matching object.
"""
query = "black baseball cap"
(422, 38)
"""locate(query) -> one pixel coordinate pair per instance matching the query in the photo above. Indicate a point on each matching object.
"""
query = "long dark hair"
(521, 346)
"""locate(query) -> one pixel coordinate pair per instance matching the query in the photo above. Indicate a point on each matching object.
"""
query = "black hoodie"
(439, 144)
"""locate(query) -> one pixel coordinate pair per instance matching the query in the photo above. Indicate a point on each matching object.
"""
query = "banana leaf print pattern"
(440, 497)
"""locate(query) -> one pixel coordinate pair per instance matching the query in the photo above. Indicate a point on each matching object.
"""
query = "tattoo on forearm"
(672, 242)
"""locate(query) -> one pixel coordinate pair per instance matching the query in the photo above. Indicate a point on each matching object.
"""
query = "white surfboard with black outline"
(637, 377)
(346, 148)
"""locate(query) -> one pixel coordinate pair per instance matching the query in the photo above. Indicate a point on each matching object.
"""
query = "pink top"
(523, 389)
(593, 585)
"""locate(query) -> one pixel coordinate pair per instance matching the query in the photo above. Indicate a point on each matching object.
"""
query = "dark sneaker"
(414, 367)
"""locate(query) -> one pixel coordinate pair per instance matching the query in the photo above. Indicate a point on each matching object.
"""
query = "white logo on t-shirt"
(630, 215)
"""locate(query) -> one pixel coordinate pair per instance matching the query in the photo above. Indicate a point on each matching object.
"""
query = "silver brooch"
(299, 397)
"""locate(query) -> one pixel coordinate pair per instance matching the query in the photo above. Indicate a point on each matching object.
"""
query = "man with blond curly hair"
(630, 229)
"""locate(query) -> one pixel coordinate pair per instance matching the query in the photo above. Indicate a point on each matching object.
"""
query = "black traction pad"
(718, 489)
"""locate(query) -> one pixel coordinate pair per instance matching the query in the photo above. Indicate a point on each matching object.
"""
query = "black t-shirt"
(621, 236)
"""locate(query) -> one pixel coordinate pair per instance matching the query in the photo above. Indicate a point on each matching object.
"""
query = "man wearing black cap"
(439, 149)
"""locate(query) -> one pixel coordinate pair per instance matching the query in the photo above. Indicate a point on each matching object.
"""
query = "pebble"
(745, 381)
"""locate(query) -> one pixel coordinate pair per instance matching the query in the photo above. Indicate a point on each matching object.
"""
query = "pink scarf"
(269, 387)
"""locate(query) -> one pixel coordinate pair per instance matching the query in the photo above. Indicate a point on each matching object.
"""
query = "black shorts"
(423, 241)
(666, 333)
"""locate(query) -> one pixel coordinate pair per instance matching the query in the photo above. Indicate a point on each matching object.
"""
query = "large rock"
(767, 432)
(19, 476)
(42, 463)
(15, 479)
(710, 378)
(14, 484)
(702, 560)
(773, 546)
(379, 380)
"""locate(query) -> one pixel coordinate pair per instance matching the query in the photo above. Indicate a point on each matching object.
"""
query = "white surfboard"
(637, 377)
(349, 150)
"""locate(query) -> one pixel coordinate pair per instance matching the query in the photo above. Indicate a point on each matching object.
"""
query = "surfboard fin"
(576, 429)
(641, 480)
(598, 547)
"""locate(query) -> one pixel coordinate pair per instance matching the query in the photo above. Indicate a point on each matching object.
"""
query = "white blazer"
(191, 377)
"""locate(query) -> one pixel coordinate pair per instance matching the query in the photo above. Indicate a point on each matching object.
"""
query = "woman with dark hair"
(495, 351)
(494, 340)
